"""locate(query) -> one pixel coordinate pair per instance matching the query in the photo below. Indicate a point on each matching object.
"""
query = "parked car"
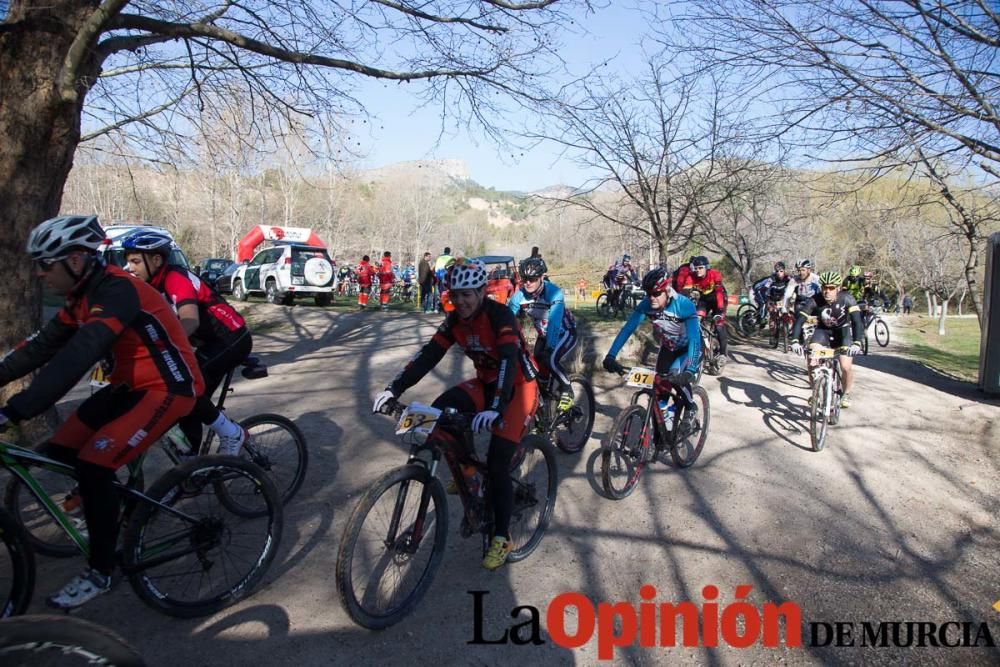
(287, 270)
(224, 283)
(501, 276)
(212, 268)
(114, 253)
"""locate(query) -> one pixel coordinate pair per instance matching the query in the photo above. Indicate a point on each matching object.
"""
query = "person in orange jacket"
(385, 278)
(365, 273)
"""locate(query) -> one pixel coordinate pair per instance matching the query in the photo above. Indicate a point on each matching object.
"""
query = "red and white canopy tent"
(257, 235)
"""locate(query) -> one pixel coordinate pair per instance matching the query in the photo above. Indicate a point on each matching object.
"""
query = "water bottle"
(179, 440)
(668, 413)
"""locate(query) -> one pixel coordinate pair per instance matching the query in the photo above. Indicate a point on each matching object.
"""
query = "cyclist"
(365, 273)
(855, 283)
(681, 274)
(799, 289)
(770, 290)
(504, 394)
(217, 332)
(618, 275)
(712, 299)
(407, 276)
(345, 275)
(154, 378)
(385, 279)
(675, 327)
(543, 302)
(838, 325)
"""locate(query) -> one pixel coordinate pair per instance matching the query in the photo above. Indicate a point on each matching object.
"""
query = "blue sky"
(403, 132)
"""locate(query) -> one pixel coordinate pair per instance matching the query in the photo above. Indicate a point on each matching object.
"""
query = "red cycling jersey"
(365, 272)
(494, 342)
(385, 275)
(217, 320)
(710, 286)
(116, 314)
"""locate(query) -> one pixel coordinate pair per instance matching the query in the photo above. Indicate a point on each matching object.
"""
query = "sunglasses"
(45, 265)
(828, 288)
(655, 293)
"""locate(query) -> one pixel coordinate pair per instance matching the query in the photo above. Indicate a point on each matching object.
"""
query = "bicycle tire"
(572, 437)
(284, 459)
(528, 521)
(881, 332)
(361, 607)
(685, 456)
(42, 531)
(712, 363)
(17, 567)
(746, 320)
(783, 333)
(41, 640)
(192, 488)
(625, 451)
(817, 413)
(603, 307)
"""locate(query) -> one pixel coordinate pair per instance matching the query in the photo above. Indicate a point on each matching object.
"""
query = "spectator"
(440, 268)
(425, 278)
(907, 304)
(365, 273)
(385, 278)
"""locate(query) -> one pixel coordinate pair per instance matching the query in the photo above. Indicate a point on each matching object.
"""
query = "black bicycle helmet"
(656, 280)
(699, 260)
(779, 266)
(533, 267)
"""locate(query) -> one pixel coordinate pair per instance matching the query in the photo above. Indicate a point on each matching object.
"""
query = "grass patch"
(955, 354)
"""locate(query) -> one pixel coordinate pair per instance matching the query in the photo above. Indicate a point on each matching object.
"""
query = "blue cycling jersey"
(547, 310)
(674, 327)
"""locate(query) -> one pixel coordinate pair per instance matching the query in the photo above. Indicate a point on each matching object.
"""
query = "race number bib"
(641, 377)
(418, 418)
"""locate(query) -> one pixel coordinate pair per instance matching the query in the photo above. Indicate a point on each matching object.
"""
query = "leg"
(565, 345)
(215, 361)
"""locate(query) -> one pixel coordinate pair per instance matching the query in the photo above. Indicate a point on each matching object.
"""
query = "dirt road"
(896, 520)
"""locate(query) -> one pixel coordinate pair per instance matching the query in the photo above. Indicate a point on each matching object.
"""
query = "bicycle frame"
(17, 459)
(663, 437)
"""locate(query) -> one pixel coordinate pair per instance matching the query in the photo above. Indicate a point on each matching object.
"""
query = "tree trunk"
(971, 266)
(40, 132)
(942, 316)
(930, 303)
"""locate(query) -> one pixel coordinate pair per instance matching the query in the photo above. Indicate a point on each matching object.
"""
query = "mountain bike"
(394, 541)
(827, 390)
(58, 641)
(568, 430)
(276, 446)
(650, 425)
(615, 303)
(748, 320)
(872, 320)
(185, 552)
(712, 360)
(779, 326)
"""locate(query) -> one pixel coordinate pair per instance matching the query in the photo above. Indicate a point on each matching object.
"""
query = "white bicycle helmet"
(467, 274)
(56, 237)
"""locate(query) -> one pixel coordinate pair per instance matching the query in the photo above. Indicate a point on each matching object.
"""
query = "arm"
(508, 349)
(514, 304)
(720, 299)
(789, 293)
(37, 348)
(426, 359)
(857, 326)
(638, 315)
(556, 311)
(112, 310)
(180, 291)
(688, 313)
(800, 319)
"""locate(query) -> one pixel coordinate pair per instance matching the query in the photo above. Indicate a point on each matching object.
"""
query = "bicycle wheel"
(712, 356)
(881, 332)
(62, 641)
(572, 432)
(746, 320)
(198, 557)
(535, 486)
(817, 412)
(392, 546)
(624, 456)
(603, 306)
(41, 530)
(783, 334)
(687, 448)
(626, 304)
(17, 567)
(276, 446)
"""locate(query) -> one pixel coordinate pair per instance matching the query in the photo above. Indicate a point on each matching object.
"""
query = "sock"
(225, 427)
